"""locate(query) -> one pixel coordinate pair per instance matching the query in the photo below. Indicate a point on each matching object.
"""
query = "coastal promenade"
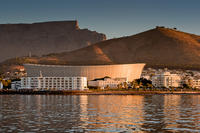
(98, 92)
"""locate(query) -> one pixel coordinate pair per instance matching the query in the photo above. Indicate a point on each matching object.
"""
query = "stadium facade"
(129, 71)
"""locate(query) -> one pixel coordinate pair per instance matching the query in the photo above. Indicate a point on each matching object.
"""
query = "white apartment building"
(16, 85)
(1, 85)
(54, 83)
(106, 82)
(166, 79)
(194, 83)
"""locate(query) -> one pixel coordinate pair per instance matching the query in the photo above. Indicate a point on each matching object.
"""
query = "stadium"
(129, 71)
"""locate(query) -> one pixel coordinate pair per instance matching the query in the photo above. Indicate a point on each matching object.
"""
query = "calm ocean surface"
(103, 113)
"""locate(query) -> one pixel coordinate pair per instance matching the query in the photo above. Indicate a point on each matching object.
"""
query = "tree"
(186, 86)
(134, 84)
(107, 87)
(141, 83)
(149, 85)
(6, 83)
(120, 86)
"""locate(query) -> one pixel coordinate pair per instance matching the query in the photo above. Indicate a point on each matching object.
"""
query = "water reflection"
(115, 113)
(154, 118)
(182, 113)
(105, 113)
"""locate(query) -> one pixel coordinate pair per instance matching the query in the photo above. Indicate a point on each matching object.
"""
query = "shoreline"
(97, 92)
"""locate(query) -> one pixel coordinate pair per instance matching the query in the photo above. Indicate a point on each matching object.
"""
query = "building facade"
(106, 83)
(192, 82)
(166, 79)
(54, 83)
(196, 83)
(129, 71)
(1, 85)
(16, 85)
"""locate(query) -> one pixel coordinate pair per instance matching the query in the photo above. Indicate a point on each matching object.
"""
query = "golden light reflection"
(115, 111)
(171, 110)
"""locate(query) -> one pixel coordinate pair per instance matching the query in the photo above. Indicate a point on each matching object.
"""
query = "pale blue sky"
(115, 18)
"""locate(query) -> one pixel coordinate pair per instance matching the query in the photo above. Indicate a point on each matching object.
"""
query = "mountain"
(162, 47)
(158, 48)
(38, 39)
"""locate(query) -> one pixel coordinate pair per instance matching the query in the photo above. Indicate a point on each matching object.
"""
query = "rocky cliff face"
(43, 38)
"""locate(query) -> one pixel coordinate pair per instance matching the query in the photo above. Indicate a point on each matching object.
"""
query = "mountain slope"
(43, 38)
(156, 47)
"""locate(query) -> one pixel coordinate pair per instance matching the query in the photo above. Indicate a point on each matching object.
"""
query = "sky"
(115, 18)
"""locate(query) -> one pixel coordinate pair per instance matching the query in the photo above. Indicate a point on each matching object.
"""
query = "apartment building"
(54, 83)
(192, 82)
(16, 85)
(106, 82)
(1, 85)
(196, 83)
(166, 79)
